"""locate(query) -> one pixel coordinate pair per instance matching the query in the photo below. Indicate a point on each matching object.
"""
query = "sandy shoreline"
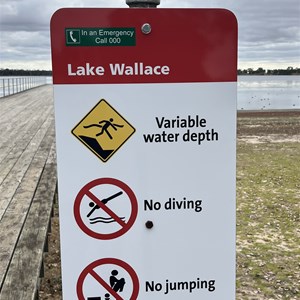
(269, 113)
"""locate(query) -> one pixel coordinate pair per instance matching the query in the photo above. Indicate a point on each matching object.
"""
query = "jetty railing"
(13, 85)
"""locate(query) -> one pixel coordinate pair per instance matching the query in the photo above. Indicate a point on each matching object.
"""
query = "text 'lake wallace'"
(116, 69)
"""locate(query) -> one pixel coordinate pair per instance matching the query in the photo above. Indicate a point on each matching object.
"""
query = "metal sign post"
(142, 3)
(145, 110)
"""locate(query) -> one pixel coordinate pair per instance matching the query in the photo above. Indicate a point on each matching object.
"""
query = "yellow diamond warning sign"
(103, 130)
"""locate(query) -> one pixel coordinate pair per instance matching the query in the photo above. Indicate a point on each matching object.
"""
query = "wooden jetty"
(27, 189)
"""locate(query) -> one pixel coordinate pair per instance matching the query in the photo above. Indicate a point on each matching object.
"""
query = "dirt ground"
(50, 284)
(268, 253)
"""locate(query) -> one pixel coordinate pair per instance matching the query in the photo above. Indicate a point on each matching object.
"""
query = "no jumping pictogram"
(109, 278)
(105, 208)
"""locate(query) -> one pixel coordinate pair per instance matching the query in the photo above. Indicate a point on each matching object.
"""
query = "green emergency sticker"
(100, 37)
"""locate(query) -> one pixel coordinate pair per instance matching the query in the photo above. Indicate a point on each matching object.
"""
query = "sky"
(269, 30)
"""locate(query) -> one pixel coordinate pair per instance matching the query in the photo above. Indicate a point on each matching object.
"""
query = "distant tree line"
(261, 71)
(249, 71)
(15, 72)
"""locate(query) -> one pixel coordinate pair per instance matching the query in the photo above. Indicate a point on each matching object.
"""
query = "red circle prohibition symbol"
(86, 191)
(90, 270)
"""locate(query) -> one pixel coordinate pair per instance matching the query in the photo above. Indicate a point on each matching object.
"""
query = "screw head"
(146, 28)
(149, 224)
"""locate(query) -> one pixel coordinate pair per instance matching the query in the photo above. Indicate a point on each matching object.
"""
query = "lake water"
(262, 92)
(268, 92)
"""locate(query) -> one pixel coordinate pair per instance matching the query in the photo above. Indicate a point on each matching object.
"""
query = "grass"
(268, 233)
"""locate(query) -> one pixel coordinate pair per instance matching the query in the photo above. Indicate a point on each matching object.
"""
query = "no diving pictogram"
(105, 208)
(123, 288)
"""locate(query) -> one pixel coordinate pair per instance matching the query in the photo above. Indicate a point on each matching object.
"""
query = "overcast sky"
(269, 30)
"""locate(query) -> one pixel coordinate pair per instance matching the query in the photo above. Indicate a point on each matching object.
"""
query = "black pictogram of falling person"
(106, 125)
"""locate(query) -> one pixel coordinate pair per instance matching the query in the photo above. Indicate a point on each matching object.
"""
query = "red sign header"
(94, 45)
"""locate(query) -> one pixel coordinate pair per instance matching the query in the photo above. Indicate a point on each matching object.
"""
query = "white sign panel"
(146, 172)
